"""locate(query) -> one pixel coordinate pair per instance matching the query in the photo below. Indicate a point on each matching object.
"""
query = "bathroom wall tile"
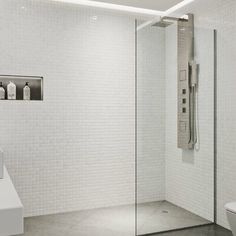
(151, 114)
(75, 149)
(221, 15)
(190, 173)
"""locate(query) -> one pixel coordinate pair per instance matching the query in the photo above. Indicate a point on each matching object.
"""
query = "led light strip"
(114, 7)
(128, 8)
(178, 6)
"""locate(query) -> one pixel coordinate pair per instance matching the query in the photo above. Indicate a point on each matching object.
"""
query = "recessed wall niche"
(35, 84)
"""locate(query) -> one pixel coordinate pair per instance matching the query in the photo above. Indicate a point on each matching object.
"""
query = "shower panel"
(187, 79)
(187, 84)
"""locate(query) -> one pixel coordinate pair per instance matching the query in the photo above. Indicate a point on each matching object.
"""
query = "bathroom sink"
(11, 208)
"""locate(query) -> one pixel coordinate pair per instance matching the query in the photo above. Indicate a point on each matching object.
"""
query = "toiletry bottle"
(2, 92)
(26, 91)
(11, 91)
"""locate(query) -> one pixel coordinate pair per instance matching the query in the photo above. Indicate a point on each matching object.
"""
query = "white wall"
(190, 174)
(151, 114)
(74, 150)
(221, 15)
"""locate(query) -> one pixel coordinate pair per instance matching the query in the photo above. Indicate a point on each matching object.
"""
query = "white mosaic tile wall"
(74, 150)
(221, 15)
(151, 114)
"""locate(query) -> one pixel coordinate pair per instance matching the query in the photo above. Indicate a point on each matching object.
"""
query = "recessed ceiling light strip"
(178, 6)
(114, 7)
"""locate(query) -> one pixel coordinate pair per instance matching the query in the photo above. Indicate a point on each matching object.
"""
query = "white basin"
(11, 208)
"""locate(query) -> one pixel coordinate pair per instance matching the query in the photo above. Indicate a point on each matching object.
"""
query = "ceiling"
(157, 5)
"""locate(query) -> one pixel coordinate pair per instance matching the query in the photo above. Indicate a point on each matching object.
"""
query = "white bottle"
(11, 91)
(1, 164)
(2, 92)
(26, 91)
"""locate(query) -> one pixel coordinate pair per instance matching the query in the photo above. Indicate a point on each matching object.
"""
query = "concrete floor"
(115, 221)
(112, 221)
(163, 216)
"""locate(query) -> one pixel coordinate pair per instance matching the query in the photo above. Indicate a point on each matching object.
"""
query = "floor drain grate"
(165, 212)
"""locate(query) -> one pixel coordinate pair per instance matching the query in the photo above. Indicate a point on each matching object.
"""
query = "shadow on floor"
(211, 230)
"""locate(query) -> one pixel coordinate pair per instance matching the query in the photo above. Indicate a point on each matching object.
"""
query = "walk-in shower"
(175, 113)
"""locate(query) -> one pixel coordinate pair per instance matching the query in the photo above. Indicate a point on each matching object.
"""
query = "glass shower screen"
(174, 187)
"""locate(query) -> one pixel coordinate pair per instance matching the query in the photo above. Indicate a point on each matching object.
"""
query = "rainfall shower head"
(162, 24)
(167, 21)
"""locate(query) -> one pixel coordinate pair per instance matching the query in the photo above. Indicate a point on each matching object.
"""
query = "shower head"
(167, 21)
(162, 24)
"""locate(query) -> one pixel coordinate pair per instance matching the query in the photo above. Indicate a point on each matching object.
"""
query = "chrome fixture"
(187, 84)
(187, 79)
(167, 20)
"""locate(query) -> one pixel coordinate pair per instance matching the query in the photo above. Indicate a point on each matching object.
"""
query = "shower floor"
(113, 221)
(164, 216)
